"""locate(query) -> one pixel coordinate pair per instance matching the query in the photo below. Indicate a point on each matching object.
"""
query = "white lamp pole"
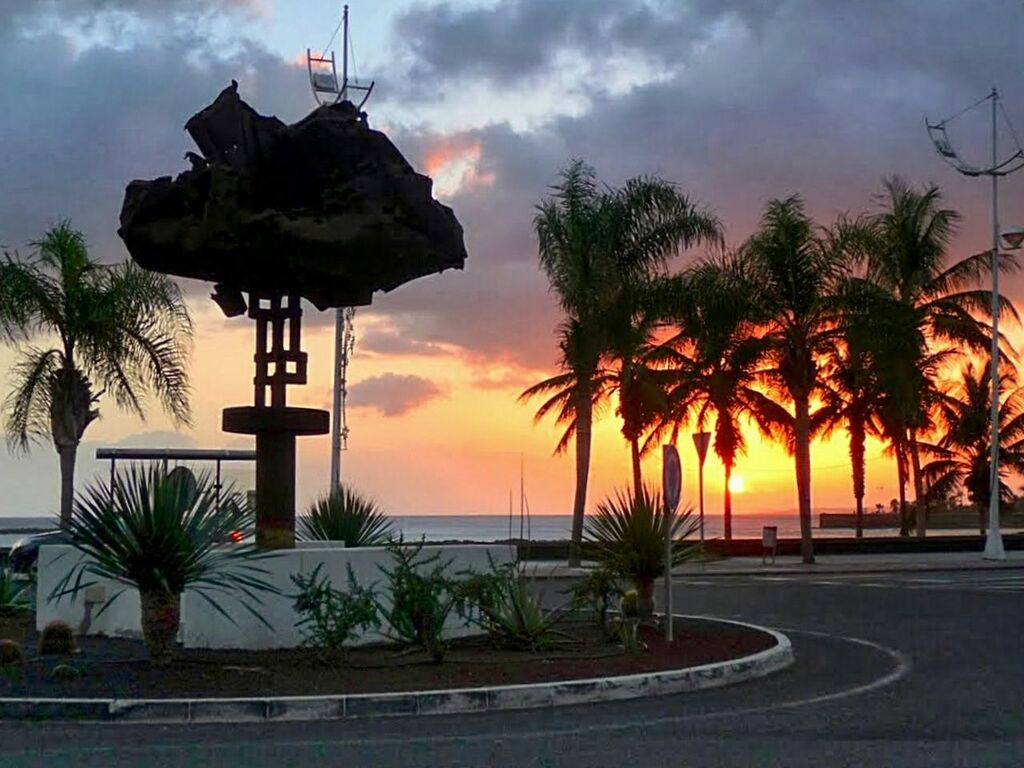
(994, 538)
(1014, 237)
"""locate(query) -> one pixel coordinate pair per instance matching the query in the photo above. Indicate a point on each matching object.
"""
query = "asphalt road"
(893, 670)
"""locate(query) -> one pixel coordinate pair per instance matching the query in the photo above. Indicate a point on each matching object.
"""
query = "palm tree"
(962, 456)
(592, 242)
(943, 304)
(632, 323)
(797, 270)
(713, 364)
(120, 328)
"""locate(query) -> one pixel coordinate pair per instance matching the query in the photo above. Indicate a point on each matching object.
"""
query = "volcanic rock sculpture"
(325, 209)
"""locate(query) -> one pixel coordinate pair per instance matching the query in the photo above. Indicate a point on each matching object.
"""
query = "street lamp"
(1013, 238)
(701, 440)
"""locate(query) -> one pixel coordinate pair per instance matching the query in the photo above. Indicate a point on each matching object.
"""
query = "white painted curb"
(456, 700)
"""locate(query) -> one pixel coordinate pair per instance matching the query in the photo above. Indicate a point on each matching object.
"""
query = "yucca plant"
(13, 596)
(507, 608)
(160, 535)
(628, 532)
(346, 515)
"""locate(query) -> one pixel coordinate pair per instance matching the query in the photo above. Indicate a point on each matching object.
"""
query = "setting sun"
(737, 484)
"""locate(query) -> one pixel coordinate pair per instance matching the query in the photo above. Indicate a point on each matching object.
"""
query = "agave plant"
(346, 515)
(628, 532)
(510, 611)
(13, 596)
(160, 535)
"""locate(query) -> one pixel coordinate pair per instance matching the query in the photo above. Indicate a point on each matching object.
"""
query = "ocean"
(537, 528)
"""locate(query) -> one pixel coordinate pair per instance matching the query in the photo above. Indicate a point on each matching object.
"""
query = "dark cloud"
(76, 12)
(393, 394)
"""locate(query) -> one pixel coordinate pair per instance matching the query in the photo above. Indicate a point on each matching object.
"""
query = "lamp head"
(1013, 238)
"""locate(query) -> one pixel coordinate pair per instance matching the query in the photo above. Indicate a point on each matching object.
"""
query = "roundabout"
(557, 691)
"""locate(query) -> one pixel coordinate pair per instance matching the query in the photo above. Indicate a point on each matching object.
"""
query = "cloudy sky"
(735, 100)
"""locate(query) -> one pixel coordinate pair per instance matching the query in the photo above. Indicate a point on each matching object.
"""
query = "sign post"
(701, 441)
(671, 488)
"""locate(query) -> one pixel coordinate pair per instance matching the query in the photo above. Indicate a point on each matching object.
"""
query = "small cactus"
(11, 653)
(64, 673)
(57, 639)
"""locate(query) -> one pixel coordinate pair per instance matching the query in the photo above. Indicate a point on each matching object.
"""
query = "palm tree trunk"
(727, 503)
(858, 465)
(803, 475)
(920, 504)
(584, 425)
(638, 481)
(67, 454)
(901, 479)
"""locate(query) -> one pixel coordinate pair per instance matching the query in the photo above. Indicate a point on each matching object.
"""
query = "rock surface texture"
(327, 208)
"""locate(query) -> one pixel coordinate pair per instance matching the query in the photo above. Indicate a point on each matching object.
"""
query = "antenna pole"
(993, 539)
(344, 55)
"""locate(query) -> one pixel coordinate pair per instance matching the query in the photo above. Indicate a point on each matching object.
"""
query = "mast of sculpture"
(323, 80)
(326, 210)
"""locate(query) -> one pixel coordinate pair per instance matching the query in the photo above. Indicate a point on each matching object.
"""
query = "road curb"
(414, 703)
(564, 572)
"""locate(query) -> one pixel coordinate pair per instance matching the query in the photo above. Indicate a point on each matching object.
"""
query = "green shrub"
(329, 618)
(423, 596)
(503, 604)
(57, 639)
(345, 515)
(597, 591)
(14, 600)
(629, 620)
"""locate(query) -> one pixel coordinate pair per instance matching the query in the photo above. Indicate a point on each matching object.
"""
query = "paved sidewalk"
(826, 564)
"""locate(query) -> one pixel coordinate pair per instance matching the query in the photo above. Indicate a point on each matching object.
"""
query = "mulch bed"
(116, 668)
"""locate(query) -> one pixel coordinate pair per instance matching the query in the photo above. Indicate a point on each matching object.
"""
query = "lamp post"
(701, 440)
(1013, 238)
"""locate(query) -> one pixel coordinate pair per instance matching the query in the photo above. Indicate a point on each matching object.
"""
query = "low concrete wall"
(202, 626)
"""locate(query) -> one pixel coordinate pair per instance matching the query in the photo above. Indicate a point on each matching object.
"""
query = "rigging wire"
(334, 34)
(963, 111)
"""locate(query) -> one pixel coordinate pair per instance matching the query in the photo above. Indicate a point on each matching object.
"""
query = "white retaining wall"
(202, 626)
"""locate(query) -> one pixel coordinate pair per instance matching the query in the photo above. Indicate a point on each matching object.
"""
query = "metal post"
(994, 540)
(344, 57)
(216, 486)
(113, 480)
(669, 613)
(339, 353)
(700, 485)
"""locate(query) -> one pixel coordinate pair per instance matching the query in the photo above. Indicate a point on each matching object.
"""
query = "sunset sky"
(735, 101)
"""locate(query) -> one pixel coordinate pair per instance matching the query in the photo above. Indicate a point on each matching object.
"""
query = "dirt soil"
(117, 668)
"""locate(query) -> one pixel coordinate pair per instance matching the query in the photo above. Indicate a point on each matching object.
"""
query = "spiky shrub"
(345, 515)
(57, 639)
(597, 592)
(329, 618)
(504, 604)
(628, 533)
(14, 600)
(160, 535)
(423, 595)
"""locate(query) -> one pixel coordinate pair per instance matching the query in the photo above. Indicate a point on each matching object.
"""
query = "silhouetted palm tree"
(943, 304)
(962, 457)
(713, 365)
(119, 327)
(797, 269)
(596, 244)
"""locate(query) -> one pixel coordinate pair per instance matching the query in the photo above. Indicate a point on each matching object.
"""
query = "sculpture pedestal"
(276, 429)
